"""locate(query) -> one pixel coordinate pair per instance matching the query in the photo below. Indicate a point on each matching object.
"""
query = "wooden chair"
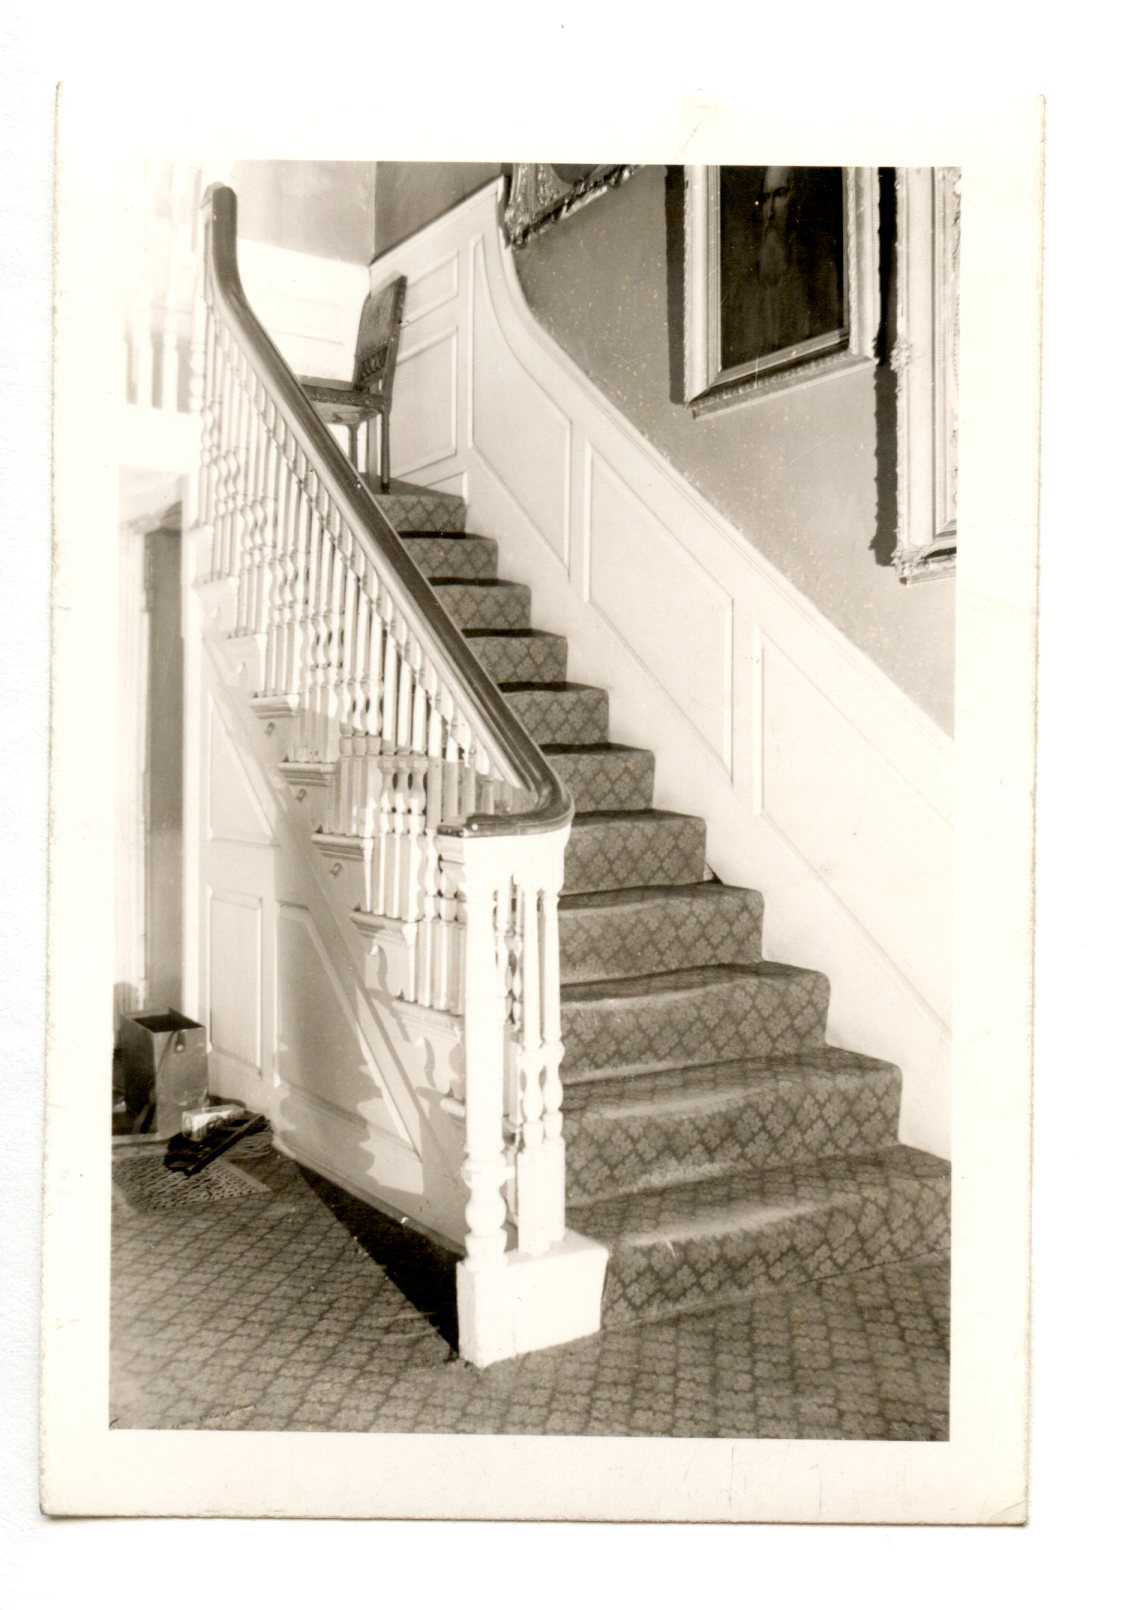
(371, 390)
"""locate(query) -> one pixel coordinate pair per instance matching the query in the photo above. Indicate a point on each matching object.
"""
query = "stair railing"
(462, 822)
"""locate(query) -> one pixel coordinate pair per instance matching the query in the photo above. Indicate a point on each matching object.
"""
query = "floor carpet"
(297, 1308)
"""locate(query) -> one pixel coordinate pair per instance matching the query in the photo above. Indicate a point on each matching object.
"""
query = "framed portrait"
(543, 192)
(781, 282)
(925, 360)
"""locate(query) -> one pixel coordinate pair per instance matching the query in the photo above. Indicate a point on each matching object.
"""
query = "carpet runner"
(714, 1142)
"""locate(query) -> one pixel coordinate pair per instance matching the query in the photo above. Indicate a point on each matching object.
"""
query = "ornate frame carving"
(925, 360)
(539, 196)
(707, 385)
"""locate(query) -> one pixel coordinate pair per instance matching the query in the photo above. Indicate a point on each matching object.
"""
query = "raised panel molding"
(663, 605)
(319, 1045)
(510, 410)
(234, 975)
(426, 292)
(876, 837)
(425, 404)
(233, 810)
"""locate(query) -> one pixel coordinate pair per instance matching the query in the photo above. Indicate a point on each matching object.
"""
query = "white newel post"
(482, 1288)
(540, 1157)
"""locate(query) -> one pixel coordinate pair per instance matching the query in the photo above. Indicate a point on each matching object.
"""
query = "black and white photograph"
(529, 994)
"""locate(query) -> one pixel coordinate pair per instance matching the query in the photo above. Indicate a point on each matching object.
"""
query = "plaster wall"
(807, 475)
(411, 194)
(324, 208)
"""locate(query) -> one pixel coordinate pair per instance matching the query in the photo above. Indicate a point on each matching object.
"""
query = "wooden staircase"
(714, 1142)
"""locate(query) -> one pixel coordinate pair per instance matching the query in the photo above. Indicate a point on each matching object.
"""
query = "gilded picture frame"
(807, 342)
(541, 193)
(925, 360)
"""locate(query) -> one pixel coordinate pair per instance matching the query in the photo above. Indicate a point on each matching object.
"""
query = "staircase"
(714, 1143)
(586, 1073)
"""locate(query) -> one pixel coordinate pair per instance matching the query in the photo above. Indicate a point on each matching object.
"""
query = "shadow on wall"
(883, 540)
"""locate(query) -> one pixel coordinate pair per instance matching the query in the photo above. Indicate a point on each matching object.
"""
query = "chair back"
(375, 355)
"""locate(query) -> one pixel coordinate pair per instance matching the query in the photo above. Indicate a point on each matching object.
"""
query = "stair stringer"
(357, 1095)
(822, 784)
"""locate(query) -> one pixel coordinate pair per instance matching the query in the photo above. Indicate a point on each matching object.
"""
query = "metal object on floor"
(164, 1066)
(190, 1157)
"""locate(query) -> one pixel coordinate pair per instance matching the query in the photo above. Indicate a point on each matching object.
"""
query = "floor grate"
(141, 1184)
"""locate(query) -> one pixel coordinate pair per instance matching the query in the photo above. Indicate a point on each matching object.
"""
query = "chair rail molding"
(824, 785)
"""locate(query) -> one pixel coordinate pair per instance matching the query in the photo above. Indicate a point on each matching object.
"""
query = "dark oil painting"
(782, 262)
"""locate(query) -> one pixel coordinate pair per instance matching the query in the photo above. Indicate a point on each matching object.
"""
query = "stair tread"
(731, 1203)
(492, 583)
(657, 894)
(558, 689)
(592, 818)
(716, 1084)
(513, 631)
(604, 747)
(686, 980)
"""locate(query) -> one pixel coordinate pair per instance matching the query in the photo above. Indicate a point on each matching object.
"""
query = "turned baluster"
(209, 418)
(287, 644)
(277, 596)
(485, 1169)
(345, 659)
(389, 676)
(248, 512)
(549, 857)
(371, 741)
(331, 662)
(267, 503)
(223, 479)
(385, 765)
(239, 467)
(534, 1225)
(309, 602)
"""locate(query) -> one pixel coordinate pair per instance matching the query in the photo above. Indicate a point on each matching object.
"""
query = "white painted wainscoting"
(822, 784)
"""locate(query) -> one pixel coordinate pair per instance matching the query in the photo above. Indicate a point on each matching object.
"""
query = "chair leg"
(383, 431)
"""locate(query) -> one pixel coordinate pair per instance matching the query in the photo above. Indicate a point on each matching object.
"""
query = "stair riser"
(771, 1124)
(521, 659)
(655, 1280)
(467, 558)
(656, 937)
(752, 1016)
(606, 780)
(632, 855)
(419, 509)
(499, 608)
(561, 716)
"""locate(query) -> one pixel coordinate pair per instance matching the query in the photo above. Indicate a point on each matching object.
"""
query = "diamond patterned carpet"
(300, 1309)
(714, 1142)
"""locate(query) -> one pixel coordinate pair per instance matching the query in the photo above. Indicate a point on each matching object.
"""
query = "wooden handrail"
(552, 806)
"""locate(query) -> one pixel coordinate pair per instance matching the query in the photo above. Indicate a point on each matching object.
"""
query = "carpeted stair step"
(459, 558)
(703, 1014)
(697, 1246)
(620, 933)
(567, 712)
(656, 1129)
(632, 849)
(520, 656)
(412, 509)
(604, 777)
(491, 604)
